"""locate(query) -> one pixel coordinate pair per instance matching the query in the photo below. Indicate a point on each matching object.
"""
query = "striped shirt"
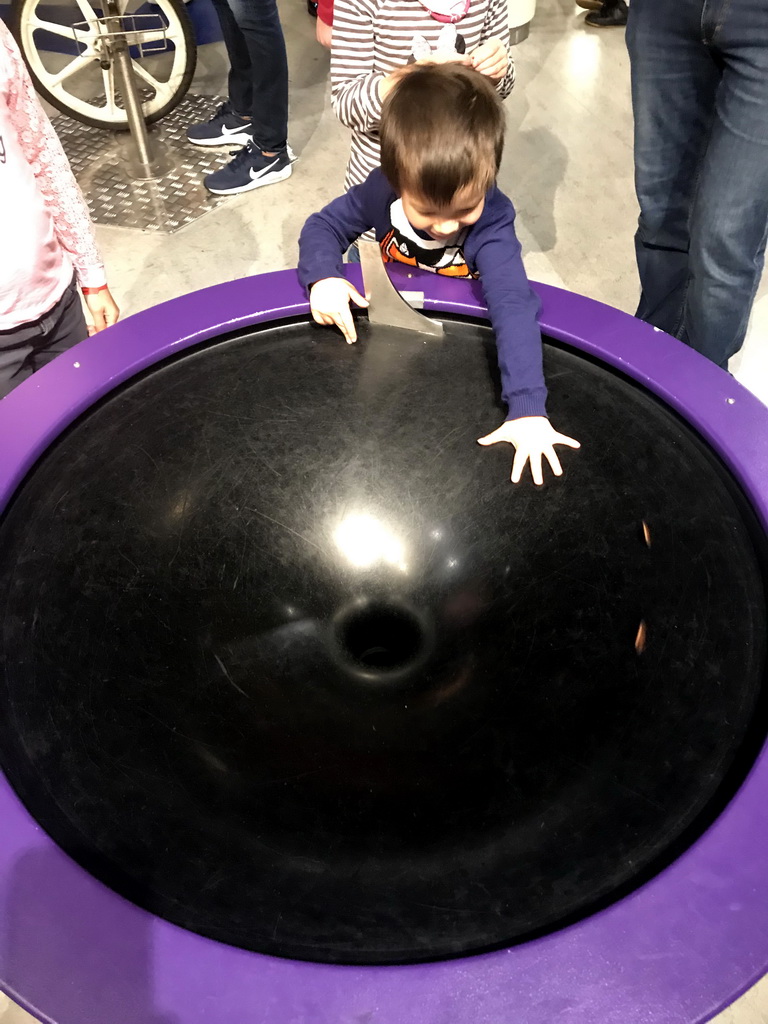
(371, 38)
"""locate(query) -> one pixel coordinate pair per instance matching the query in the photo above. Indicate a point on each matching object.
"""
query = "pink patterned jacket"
(45, 229)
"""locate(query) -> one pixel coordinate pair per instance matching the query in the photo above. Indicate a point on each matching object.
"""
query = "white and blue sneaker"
(249, 169)
(223, 129)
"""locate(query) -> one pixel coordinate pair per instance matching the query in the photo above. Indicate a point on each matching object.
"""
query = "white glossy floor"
(568, 166)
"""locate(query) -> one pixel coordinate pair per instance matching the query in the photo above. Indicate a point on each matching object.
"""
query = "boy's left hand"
(490, 59)
(532, 436)
(103, 310)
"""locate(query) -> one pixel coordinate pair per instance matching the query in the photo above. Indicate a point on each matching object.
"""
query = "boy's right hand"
(329, 301)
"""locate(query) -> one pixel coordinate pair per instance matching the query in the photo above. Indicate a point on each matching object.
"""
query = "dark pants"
(258, 75)
(700, 99)
(30, 346)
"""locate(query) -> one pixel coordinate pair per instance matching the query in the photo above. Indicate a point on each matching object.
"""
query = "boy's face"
(441, 223)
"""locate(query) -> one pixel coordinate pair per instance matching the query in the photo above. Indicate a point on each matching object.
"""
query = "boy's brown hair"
(442, 129)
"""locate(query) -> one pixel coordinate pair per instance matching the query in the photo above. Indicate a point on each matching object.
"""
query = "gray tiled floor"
(568, 166)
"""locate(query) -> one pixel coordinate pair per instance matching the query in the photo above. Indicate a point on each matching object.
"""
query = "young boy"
(435, 205)
(49, 244)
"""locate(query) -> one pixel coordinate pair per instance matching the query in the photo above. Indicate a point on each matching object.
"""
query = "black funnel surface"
(288, 661)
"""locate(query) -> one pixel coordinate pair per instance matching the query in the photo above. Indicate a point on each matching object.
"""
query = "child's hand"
(532, 436)
(103, 310)
(490, 59)
(329, 301)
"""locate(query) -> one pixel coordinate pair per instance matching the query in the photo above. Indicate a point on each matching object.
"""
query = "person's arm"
(493, 248)
(324, 26)
(324, 239)
(357, 91)
(513, 308)
(57, 184)
(354, 84)
(496, 27)
(327, 235)
(61, 193)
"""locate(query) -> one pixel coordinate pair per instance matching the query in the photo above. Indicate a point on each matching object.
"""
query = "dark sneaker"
(224, 128)
(248, 170)
(612, 13)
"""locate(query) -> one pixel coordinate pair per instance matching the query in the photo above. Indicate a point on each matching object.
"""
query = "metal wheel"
(68, 47)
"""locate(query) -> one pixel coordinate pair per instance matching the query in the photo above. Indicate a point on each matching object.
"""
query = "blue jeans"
(258, 67)
(700, 99)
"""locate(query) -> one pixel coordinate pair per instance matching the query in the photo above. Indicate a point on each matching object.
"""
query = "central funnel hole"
(381, 637)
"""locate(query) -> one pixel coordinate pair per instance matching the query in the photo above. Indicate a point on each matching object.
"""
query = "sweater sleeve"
(513, 306)
(42, 151)
(497, 27)
(325, 11)
(354, 83)
(327, 235)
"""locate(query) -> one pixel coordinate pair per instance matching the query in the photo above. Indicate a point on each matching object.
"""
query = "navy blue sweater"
(489, 250)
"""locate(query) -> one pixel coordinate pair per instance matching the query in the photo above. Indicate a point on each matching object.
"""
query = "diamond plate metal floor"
(178, 198)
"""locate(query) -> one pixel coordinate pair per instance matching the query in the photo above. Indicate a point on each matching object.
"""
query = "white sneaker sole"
(238, 140)
(268, 179)
(229, 140)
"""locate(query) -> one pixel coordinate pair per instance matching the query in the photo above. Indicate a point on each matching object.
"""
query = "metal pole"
(146, 163)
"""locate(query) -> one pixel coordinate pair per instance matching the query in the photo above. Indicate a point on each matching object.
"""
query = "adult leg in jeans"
(729, 219)
(258, 78)
(240, 78)
(674, 83)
